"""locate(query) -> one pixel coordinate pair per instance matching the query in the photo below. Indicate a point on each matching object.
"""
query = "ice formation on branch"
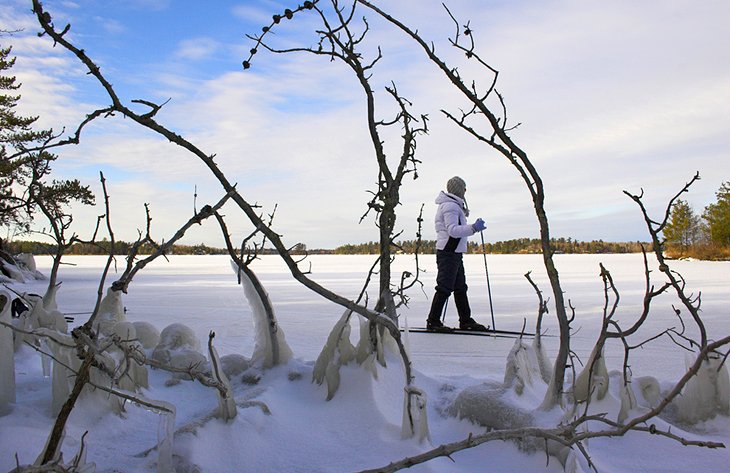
(270, 348)
(523, 368)
(7, 360)
(415, 420)
(135, 375)
(111, 311)
(370, 349)
(26, 263)
(21, 269)
(543, 360)
(77, 464)
(226, 402)
(336, 352)
(592, 382)
(65, 363)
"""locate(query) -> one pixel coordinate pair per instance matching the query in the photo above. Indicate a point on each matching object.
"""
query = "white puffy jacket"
(451, 221)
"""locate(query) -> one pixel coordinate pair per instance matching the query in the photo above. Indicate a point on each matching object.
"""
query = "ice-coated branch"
(258, 299)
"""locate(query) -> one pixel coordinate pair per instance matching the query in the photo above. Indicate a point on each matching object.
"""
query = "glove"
(479, 225)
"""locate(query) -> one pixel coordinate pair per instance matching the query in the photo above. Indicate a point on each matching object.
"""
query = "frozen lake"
(201, 291)
(304, 433)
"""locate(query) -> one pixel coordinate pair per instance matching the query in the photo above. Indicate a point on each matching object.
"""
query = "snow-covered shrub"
(7, 360)
(706, 394)
(147, 334)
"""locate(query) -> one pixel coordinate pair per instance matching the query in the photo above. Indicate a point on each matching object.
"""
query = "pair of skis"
(490, 332)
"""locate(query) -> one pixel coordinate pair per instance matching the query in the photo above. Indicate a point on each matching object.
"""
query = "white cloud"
(612, 96)
(196, 48)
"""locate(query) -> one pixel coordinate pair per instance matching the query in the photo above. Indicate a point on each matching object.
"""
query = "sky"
(610, 96)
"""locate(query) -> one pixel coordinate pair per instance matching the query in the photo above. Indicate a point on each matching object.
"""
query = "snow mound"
(147, 334)
(179, 348)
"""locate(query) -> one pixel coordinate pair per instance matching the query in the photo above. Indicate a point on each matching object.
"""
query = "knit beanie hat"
(456, 186)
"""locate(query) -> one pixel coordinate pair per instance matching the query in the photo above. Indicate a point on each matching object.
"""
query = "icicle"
(415, 419)
(7, 360)
(62, 376)
(165, 437)
(572, 465)
(29, 321)
(45, 359)
(78, 462)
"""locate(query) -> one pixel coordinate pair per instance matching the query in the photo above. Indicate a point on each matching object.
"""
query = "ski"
(488, 333)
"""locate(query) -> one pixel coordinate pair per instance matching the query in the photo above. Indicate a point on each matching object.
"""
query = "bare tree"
(341, 39)
(492, 128)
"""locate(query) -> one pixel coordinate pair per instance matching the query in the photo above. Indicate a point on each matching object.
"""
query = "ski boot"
(472, 326)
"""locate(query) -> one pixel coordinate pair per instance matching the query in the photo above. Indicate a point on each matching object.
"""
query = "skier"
(452, 231)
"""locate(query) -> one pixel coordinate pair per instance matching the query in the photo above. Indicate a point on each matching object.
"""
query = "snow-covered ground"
(361, 427)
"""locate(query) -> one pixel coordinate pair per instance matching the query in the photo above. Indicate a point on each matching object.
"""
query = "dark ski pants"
(450, 279)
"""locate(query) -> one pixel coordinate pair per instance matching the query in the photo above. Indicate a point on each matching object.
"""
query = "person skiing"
(452, 231)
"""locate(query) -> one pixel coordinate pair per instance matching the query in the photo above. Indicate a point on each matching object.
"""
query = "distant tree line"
(103, 247)
(122, 248)
(516, 246)
(705, 236)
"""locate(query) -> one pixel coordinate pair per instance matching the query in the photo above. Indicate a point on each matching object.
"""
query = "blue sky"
(612, 96)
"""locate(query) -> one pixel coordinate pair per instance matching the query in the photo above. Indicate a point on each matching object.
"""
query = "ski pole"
(489, 289)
